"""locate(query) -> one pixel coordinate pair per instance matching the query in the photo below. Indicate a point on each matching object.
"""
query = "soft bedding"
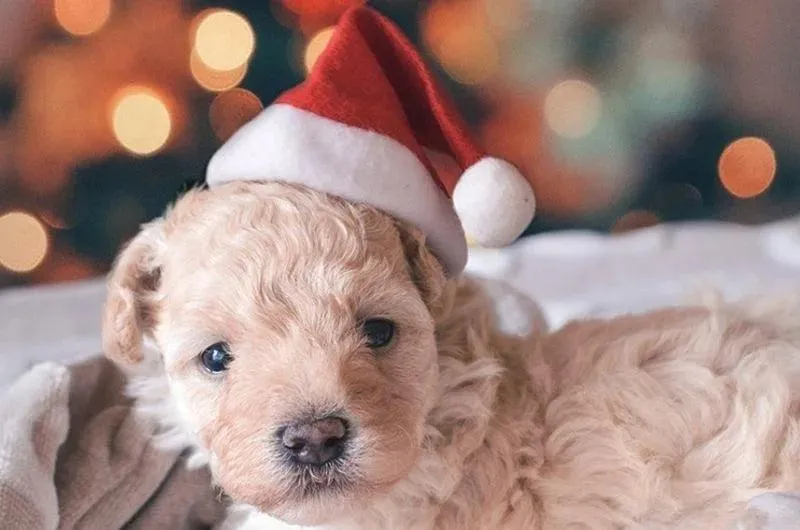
(73, 455)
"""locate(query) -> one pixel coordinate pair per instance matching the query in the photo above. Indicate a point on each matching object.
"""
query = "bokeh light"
(635, 220)
(232, 109)
(23, 242)
(82, 17)
(747, 167)
(141, 121)
(223, 40)
(459, 35)
(319, 8)
(309, 16)
(572, 108)
(316, 45)
(618, 113)
(515, 132)
(215, 80)
(506, 17)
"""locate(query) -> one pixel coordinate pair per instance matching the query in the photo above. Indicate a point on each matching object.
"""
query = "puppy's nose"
(317, 442)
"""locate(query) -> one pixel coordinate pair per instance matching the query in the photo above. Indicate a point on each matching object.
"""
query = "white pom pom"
(494, 202)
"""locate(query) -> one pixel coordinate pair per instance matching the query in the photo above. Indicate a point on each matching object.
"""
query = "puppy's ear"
(132, 288)
(426, 271)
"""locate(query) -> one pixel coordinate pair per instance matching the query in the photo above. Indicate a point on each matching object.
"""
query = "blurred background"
(624, 114)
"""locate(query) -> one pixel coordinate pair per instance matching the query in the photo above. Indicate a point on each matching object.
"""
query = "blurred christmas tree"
(624, 114)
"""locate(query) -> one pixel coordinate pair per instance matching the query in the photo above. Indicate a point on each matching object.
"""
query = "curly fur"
(672, 419)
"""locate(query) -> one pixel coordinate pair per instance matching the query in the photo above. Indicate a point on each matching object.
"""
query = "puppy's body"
(673, 419)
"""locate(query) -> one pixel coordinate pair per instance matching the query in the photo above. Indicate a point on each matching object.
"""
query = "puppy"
(312, 352)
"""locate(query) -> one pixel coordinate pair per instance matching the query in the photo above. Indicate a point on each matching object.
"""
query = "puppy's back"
(671, 419)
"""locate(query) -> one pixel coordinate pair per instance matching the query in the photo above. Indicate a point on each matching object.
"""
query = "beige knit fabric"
(73, 456)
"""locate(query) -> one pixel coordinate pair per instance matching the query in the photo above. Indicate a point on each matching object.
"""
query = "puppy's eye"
(379, 332)
(216, 358)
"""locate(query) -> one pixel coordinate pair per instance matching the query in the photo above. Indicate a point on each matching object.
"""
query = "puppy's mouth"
(329, 479)
(308, 484)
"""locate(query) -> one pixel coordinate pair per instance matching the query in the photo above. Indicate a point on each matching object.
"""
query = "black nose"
(316, 442)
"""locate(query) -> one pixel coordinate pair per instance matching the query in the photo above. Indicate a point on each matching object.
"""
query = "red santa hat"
(362, 127)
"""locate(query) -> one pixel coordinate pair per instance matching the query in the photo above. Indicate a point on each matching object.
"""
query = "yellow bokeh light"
(215, 80)
(23, 242)
(224, 40)
(82, 17)
(141, 121)
(747, 167)
(316, 45)
(572, 108)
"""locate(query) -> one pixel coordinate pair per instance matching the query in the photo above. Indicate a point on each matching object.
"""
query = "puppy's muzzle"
(314, 443)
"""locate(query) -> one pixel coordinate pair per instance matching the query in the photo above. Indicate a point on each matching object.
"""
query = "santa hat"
(362, 126)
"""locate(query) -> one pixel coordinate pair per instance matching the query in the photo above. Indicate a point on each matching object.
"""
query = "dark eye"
(379, 332)
(216, 358)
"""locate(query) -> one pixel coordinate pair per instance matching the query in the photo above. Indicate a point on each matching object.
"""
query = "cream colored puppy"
(314, 354)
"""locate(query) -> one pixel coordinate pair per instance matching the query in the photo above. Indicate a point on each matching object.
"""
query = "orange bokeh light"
(82, 17)
(215, 80)
(318, 8)
(23, 242)
(232, 109)
(747, 167)
(459, 35)
(310, 16)
(635, 220)
(223, 40)
(141, 120)
(316, 45)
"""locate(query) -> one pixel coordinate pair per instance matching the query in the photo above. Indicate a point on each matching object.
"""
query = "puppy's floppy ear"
(425, 269)
(132, 288)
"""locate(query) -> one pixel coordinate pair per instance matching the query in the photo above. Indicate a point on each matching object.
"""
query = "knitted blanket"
(74, 456)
